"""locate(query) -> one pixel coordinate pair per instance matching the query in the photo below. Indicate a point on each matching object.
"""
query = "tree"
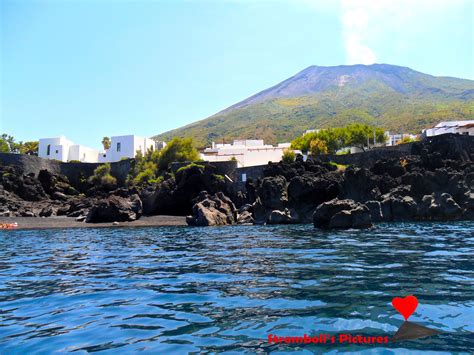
(106, 143)
(29, 148)
(13, 147)
(178, 150)
(355, 134)
(318, 146)
(334, 138)
(149, 167)
(359, 135)
(4, 147)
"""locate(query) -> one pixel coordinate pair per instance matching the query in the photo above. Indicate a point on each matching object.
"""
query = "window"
(118, 147)
(48, 150)
(244, 177)
(104, 155)
(57, 151)
(467, 133)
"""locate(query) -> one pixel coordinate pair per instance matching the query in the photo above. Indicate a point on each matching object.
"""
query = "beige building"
(247, 152)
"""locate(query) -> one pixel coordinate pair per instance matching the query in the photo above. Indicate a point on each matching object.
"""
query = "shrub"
(340, 167)
(289, 156)
(218, 177)
(343, 151)
(149, 167)
(144, 177)
(183, 168)
(102, 177)
(74, 161)
(108, 182)
(407, 140)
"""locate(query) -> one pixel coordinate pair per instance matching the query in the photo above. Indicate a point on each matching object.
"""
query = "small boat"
(8, 225)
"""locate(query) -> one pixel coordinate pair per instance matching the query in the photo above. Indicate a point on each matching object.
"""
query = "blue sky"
(87, 69)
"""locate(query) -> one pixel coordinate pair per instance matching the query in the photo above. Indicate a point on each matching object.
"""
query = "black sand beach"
(67, 222)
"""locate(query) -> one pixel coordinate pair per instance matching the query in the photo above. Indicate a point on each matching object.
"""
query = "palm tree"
(106, 143)
(30, 148)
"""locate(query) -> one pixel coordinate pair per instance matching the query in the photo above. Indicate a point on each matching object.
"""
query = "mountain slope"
(392, 97)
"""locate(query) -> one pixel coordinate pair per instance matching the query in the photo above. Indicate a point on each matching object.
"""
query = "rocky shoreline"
(433, 182)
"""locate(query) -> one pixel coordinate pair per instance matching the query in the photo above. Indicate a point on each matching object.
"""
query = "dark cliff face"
(434, 181)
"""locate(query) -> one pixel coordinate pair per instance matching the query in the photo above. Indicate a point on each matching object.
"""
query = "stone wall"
(74, 171)
(253, 172)
(29, 163)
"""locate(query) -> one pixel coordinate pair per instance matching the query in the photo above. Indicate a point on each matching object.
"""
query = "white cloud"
(355, 24)
(364, 22)
(371, 24)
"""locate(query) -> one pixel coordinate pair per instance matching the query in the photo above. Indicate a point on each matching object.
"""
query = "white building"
(246, 152)
(55, 148)
(122, 147)
(456, 127)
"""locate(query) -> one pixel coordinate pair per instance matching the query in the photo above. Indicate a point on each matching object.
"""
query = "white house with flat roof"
(456, 127)
(55, 148)
(247, 152)
(122, 147)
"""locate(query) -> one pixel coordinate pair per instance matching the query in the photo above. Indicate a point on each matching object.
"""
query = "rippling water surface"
(215, 290)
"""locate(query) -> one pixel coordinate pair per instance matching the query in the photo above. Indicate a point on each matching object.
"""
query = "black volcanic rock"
(342, 214)
(115, 209)
(212, 210)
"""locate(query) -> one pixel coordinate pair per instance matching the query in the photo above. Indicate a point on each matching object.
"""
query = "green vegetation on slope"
(276, 122)
(398, 99)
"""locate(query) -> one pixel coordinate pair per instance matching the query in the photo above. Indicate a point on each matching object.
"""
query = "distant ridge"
(394, 97)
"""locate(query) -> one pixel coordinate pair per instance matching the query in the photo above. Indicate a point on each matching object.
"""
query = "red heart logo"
(406, 306)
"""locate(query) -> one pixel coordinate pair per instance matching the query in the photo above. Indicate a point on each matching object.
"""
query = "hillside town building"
(122, 147)
(246, 152)
(456, 127)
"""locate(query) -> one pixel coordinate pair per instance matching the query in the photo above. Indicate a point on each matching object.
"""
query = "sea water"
(226, 289)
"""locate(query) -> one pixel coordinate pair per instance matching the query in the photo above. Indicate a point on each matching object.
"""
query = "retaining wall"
(74, 171)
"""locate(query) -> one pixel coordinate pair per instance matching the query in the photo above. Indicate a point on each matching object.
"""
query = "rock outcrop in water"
(289, 193)
(212, 210)
(342, 214)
